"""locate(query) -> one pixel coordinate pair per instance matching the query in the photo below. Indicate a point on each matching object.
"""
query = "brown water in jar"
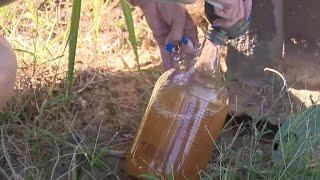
(176, 136)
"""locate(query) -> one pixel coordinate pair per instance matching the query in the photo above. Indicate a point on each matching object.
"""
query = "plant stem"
(73, 38)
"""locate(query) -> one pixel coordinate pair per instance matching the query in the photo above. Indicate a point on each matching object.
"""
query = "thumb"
(247, 8)
(174, 14)
(177, 28)
(220, 22)
(187, 46)
(189, 51)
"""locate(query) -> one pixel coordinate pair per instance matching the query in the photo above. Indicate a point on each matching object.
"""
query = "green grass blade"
(127, 11)
(73, 38)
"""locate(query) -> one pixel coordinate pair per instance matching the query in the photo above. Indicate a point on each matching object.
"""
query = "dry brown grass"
(38, 124)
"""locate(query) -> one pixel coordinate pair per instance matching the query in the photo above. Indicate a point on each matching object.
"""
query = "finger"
(166, 57)
(190, 41)
(207, 60)
(230, 16)
(189, 50)
(226, 13)
(247, 8)
(191, 30)
(220, 4)
(224, 23)
(220, 13)
(159, 29)
(187, 46)
(240, 11)
(174, 14)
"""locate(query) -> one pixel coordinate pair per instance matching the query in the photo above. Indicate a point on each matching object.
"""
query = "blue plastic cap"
(169, 47)
(185, 40)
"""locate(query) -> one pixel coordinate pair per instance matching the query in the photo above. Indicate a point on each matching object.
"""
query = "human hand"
(171, 24)
(5, 2)
(232, 11)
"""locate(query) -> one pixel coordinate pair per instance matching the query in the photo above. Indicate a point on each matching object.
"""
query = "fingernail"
(169, 47)
(185, 40)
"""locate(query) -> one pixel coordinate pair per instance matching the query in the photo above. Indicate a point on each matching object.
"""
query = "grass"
(43, 137)
(73, 40)
(252, 160)
(39, 34)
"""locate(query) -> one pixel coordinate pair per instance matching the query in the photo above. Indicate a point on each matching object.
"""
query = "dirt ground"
(266, 32)
(110, 96)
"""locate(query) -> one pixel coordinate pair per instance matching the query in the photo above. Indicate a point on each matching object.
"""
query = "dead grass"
(40, 130)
